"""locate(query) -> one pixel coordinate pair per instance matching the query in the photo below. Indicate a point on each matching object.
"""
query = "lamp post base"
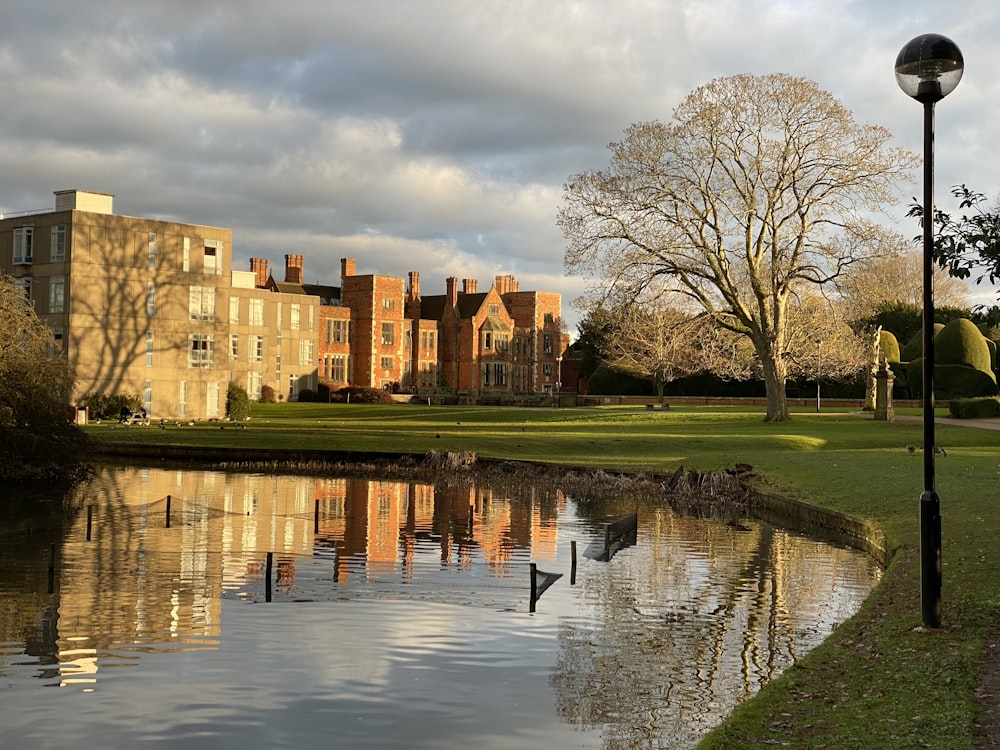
(930, 559)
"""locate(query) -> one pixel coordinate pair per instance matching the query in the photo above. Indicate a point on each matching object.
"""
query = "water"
(395, 616)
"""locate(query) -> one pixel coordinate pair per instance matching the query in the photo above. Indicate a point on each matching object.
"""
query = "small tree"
(36, 437)
(237, 402)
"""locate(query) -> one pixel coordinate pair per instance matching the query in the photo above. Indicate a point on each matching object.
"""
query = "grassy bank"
(878, 681)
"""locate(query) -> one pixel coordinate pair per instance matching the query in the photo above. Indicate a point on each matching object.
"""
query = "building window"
(312, 318)
(24, 284)
(234, 310)
(149, 348)
(547, 343)
(182, 399)
(277, 370)
(494, 309)
(23, 237)
(212, 399)
(293, 387)
(386, 363)
(57, 294)
(501, 341)
(487, 340)
(150, 299)
(500, 374)
(57, 248)
(256, 350)
(253, 385)
(546, 368)
(201, 302)
(427, 339)
(337, 368)
(147, 396)
(187, 254)
(213, 258)
(55, 348)
(201, 350)
(296, 317)
(306, 352)
(152, 250)
(388, 303)
(388, 334)
(234, 346)
(256, 312)
(336, 331)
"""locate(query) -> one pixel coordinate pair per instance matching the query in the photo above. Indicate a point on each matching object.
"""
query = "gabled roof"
(470, 304)
(328, 295)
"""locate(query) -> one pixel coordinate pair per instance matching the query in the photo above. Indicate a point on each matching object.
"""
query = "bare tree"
(757, 190)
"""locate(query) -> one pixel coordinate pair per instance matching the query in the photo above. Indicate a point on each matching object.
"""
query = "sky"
(430, 135)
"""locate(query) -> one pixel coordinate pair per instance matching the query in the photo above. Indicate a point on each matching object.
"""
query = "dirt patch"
(986, 727)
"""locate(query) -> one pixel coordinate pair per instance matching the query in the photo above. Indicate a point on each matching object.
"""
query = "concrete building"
(155, 308)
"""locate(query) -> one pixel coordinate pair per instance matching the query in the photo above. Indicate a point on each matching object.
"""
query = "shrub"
(888, 346)
(267, 395)
(961, 343)
(359, 395)
(974, 408)
(952, 381)
(106, 406)
(307, 394)
(914, 348)
(237, 402)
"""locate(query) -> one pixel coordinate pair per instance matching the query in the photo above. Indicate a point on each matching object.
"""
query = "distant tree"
(759, 189)
(593, 333)
(37, 438)
(969, 243)
(237, 402)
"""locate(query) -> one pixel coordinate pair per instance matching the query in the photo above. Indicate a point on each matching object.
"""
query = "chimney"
(414, 285)
(469, 286)
(293, 269)
(347, 266)
(452, 292)
(259, 268)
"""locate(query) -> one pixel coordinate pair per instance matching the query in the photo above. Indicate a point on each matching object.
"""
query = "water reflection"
(650, 649)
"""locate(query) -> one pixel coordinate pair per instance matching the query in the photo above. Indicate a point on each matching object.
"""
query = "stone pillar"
(883, 393)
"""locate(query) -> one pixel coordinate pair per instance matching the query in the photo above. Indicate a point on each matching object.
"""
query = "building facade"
(156, 309)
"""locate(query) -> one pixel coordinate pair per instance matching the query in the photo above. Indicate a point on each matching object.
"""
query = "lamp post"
(929, 68)
(559, 380)
(819, 368)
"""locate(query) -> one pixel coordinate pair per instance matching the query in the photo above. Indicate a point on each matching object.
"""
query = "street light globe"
(929, 67)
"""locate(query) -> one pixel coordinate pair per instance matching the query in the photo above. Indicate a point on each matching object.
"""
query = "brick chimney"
(506, 284)
(347, 267)
(294, 269)
(259, 268)
(414, 285)
(469, 286)
(452, 290)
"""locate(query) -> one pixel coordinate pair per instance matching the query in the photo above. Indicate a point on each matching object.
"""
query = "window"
(149, 349)
(388, 303)
(152, 250)
(306, 352)
(234, 346)
(293, 383)
(494, 309)
(182, 399)
(150, 299)
(256, 312)
(253, 385)
(277, 370)
(212, 399)
(23, 244)
(201, 350)
(501, 341)
(427, 339)
(388, 334)
(546, 368)
(187, 254)
(234, 310)
(487, 340)
(56, 347)
(213, 258)
(336, 368)
(57, 294)
(57, 248)
(312, 318)
(547, 343)
(386, 363)
(495, 373)
(256, 351)
(147, 396)
(336, 331)
(201, 303)
(24, 284)
(296, 319)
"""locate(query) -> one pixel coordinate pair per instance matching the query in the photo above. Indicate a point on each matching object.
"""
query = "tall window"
(296, 320)
(336, 331)
(293, 387)
(56, 347)
(57, 248)
(427, 339)
(187, 254)
(253, 385)
(57, 294)
(201, 302)
(151, 250)
(23, 244)
(234, 310)
(256, 312)
(212, 399)
(388, 334)
(336, 368)
(306, 352)
(150, 299)
(387, 363)
(234, 346)
(149, 348)
(213, 258)
(547, 343)
(182, 399)
(256, 349)
(147, 396)
(201, 350)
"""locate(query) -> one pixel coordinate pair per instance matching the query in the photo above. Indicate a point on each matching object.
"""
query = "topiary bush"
(356, 394)
(961, 343)
(951, 381)
(267, 395)
(974, 408)
(914, 348)
(237, 403)
(888, 346)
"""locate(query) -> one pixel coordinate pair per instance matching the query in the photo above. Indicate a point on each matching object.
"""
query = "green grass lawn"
(879, 681)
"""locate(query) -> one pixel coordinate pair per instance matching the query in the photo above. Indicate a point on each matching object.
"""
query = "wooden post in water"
(534, 587)
(316, 518)
(607, 541)
(52, 569)
(267, 576)
(168, 511)
(572, 563)
(472, 516)
(90, 520)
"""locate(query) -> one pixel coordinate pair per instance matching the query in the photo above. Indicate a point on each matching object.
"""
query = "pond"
(199, 609)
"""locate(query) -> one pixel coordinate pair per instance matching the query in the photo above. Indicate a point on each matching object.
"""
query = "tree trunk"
(774, 388)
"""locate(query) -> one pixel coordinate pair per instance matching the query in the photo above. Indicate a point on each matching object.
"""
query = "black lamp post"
(929, 68)
(819, 369)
